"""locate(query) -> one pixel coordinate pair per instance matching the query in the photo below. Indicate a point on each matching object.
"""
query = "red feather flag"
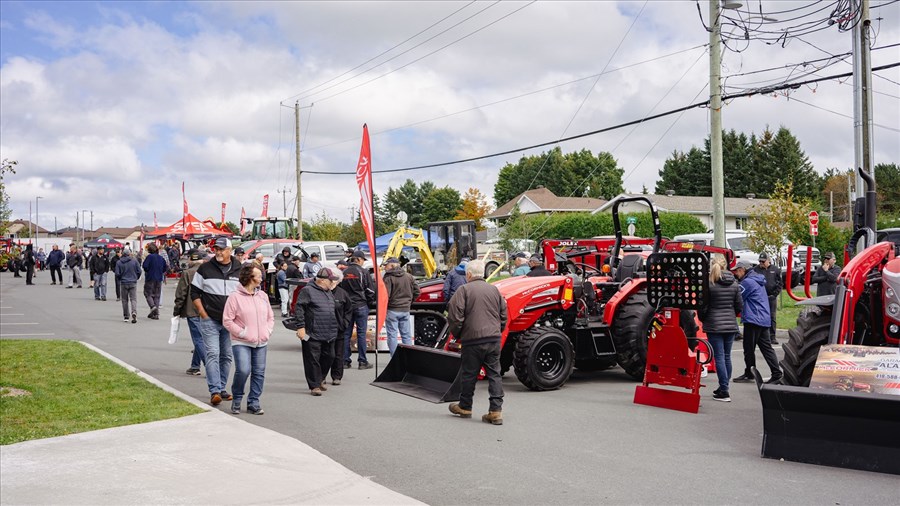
(367, 217)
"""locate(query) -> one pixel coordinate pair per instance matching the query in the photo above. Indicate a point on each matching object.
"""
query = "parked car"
(735, 240)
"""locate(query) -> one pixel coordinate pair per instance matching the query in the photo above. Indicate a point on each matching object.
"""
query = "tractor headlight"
(889, 292)
(893, 328)
(893, 309)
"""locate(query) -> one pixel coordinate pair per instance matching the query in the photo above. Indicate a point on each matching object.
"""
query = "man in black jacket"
(317, 327)
(826, 275)
(773, 287)
(477, 316)
(55, 261)
(29, 265)
(214, 281)
(537, 267)
(113, 260)
(100, 268)
(358, 285)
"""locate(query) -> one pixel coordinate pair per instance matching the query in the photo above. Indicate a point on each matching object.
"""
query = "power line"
(771, 89)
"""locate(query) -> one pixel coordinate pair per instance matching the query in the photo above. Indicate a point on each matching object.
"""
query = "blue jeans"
(361, 319)
(198, 357)
(218, 354)
(394, 320)
(100, 285)
(721, 345)
(248, 362)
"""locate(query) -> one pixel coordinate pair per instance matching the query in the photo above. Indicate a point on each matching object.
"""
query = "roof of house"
(546, 200)
(115, 232)
(734, 206)
(17, 225)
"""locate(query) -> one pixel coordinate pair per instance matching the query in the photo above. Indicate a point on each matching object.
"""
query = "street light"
(37, 217)
(82, 226)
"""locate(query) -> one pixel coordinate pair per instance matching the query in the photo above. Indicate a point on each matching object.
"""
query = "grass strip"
(68, 388)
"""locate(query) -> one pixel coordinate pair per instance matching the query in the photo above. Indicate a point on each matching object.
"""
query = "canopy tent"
(188, 228)
(104, 241)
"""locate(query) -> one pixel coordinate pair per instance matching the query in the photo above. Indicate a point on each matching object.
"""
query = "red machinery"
(675, 282)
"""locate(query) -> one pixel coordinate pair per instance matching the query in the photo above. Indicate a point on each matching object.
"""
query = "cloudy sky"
(109, 106)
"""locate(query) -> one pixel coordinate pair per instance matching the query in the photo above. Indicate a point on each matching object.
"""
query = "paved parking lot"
(585, 443)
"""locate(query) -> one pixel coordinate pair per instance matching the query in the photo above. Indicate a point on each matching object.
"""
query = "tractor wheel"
(802, 348)
(544, 358)
(595, 364)
(630, 331)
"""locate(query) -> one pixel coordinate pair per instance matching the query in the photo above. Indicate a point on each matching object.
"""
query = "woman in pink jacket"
(249, 319)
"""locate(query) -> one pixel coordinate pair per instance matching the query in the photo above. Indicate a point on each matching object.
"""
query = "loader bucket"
(423, 373)
(830, 428)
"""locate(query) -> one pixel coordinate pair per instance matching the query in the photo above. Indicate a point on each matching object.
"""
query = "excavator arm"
(406, 237)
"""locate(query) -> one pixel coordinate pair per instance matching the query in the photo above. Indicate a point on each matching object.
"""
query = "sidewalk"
(210, 458)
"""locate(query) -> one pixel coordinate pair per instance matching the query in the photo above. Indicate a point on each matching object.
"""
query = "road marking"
(12, 314)
(19, 323)
(5, 307)
(23, 335)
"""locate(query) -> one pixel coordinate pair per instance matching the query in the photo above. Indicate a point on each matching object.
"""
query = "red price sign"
(813, 218)
(813, 230)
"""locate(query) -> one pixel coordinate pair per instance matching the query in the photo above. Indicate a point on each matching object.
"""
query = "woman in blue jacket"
(756, 319)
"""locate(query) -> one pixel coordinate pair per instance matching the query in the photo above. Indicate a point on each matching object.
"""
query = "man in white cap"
(214, 281)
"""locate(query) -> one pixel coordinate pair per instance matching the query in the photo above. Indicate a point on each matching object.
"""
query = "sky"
(109, 106)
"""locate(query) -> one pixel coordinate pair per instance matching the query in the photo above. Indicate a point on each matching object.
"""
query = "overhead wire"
(615, 127)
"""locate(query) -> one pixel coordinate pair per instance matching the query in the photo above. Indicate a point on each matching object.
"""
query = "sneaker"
(493, 418)
(365, 365)
(323, 387)
(284, 315)
(215, 399)
(703, 372)
(744, 378)
(69, 286)
(192, 372)
(775, 379)
(103, 299)
(225, 395)
(316, 392)
(721, 396)
(255, 410)
(463, 413)
(133, 317)
(348, 365)
(335, 382)
(126, 320)
(235, 409)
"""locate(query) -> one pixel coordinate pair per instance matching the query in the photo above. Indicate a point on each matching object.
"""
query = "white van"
(736, 241)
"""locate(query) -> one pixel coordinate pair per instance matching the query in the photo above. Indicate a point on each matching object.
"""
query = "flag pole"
(372, 252)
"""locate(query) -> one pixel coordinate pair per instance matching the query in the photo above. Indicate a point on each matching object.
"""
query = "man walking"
(772, 274)
(54, 262)
(214, 281)
(113, 260)
(155, 269)
(826, 275)
(74, 261)
(317, 327)
(184, 308)
(477, 316)
(100, 268)
(756, 320)
(358, 286)
(128, 271)
(401, 291)
(29, 265)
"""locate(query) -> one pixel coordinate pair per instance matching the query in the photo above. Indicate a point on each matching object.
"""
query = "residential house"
(737, 210)
(542, 201)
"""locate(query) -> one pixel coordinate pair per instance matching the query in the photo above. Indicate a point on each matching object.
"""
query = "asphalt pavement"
(585, 443)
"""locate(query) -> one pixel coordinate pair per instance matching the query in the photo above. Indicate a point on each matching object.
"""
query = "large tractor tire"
(630, 332)
(802, 348)
(544, 358)
(595, 364)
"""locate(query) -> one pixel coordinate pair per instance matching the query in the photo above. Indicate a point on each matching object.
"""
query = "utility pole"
(299, 192)
(37, 217)
(862, 96)
(76, 228)
(83, 230)
(284, 191)
(92, 225)
(30, 220)
(715, 123)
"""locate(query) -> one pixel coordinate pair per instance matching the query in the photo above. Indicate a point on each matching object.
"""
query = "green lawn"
(788, 310)
(72, 389)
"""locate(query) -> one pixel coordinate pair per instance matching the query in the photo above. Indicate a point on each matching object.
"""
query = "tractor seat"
(629, 267)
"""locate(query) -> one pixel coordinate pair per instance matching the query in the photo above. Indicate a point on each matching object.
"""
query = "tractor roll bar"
(617, 225)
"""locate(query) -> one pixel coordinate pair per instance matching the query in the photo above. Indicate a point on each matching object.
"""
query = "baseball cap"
(828, 256)
(520, 254)
(313, 255)
(392, 260)
(222, 243)
(239, 251)
(763, 256)
(341, 262)
(742, 264)
(359, 254)
(325, 272)
(535, 259)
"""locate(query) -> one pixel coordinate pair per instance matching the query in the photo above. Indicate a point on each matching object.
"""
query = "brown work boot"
(493, 418)
(322, 386)
(463, 413)
(215, 399)
(316, 392)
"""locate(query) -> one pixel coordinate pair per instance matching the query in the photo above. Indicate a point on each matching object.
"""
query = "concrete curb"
(177, 393)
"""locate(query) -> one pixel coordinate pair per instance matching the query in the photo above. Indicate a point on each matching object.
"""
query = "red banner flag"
(265, 205)
(223, 212)
(184, 199)
(243, 220)
(367, 217)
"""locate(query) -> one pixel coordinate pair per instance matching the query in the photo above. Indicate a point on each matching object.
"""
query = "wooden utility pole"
(299, 192)
(284, 191)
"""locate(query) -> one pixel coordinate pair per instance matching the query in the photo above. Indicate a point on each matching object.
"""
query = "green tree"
(887, 184)
(792, 165)
(783, 218)
(5, 211)
(580, 174)
(515, 227)
(354, 234)
(835, 193)
(232, 227)
(323, 228)
(440, 204)
(474, 207)
(686, 174)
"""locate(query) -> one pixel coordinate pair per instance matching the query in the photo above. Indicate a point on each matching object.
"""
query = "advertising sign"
(852, 368)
